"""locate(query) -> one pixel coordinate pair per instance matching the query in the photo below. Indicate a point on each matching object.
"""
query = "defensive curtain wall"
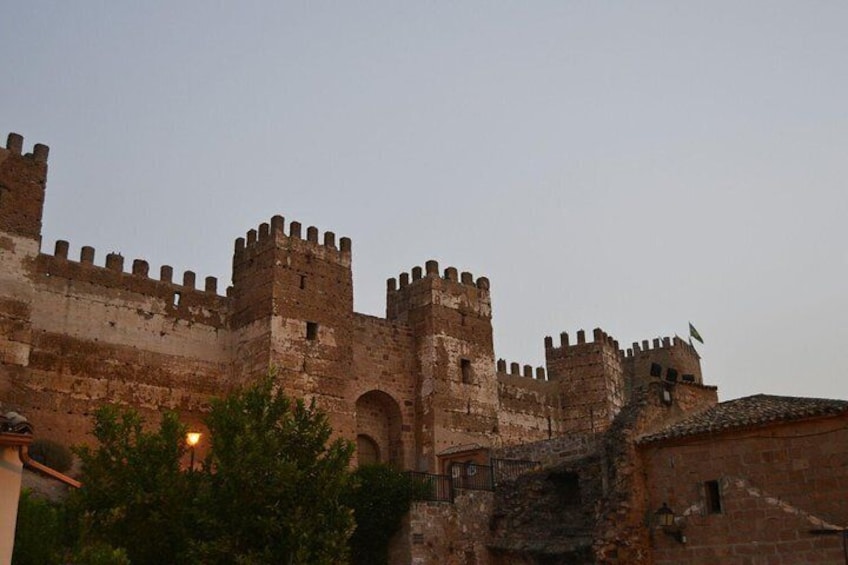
(76, 332)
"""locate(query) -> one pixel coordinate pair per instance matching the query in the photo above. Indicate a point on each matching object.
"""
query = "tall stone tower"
(590, 380)
(23, 178)
(457, 391)
(293, 309)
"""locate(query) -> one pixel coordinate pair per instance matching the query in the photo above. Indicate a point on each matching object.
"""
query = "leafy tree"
(273, 483)
(134, 494)
(38, 531)
(51, 453)
(273, 488)
(380, 500)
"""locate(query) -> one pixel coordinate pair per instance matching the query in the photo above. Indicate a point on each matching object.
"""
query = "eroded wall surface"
(775, 485)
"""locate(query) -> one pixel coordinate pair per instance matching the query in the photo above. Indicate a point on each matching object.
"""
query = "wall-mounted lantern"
(667, 520)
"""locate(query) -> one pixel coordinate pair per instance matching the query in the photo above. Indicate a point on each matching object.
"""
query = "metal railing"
(469, 476)
(436, 488)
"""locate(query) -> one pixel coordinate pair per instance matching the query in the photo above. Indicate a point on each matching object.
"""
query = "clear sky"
(628, 165)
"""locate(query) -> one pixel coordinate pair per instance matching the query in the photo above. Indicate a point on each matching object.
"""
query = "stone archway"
(378, 429)
(367, 450)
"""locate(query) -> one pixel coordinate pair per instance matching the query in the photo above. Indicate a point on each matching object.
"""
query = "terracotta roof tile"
(12, 422)
(749, 411)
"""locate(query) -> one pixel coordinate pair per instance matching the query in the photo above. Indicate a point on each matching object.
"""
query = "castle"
(406, 387)
(624, 436)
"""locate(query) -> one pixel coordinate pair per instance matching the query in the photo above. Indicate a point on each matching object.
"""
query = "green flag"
(693, 333)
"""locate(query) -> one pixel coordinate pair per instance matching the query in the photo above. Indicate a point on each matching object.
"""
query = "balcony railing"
(470, 476)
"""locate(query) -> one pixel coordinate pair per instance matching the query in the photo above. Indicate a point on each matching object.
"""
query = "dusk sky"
(624, 165)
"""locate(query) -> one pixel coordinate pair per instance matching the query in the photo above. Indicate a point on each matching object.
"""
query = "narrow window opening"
(465, 366)
(311, 331)
(656, 370)
(302, 281)
(713, 493)
(666, 395)
(177, 298)
(567, 486)
(463, 319)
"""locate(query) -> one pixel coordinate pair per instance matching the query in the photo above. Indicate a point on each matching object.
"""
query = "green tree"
(134, 494)
(381, 497)
(38, 532)
(274, 483)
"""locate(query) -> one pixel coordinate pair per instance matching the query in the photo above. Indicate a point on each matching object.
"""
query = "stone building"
(597, 441)
(76, 333)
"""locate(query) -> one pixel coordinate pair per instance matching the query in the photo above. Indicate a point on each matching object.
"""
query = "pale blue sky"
(616, 164)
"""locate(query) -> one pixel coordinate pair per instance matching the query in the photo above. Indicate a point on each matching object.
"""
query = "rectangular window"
(713, 494)
(302, 281)
(311, 331)
(465, 366)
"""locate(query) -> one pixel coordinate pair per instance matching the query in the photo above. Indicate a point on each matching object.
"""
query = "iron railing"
(470, 476)
(509, 469)
(437, 488)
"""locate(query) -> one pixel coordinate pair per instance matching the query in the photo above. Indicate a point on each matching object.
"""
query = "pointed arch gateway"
(378, 429)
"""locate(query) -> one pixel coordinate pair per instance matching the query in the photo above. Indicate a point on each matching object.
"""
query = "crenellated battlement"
(661, 343)
(15, 146)
(427, 287)
(431, 271)
(515, 369)
(273, 234)
(566, 348)
(666, 357)
(183, 299)
(23, 179)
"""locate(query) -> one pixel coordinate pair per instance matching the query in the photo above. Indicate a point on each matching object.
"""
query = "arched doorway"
(367, 450)
(378, 429)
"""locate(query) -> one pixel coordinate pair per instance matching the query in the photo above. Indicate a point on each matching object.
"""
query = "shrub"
(101, 554)
(51, 453)
(38, 532)
(380, 500)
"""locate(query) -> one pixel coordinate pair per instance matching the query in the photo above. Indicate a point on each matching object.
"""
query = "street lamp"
(192, 438)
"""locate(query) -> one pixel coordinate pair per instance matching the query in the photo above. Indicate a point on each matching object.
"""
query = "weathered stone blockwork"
(603, 424)
(775, 484)
(76, 333)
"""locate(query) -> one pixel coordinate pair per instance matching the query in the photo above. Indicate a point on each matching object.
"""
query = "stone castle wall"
(78, 333)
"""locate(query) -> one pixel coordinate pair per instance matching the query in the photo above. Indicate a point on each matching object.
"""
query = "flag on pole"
(693, 333)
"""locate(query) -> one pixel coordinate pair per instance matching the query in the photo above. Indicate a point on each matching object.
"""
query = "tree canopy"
(273, 482)
(274, 487)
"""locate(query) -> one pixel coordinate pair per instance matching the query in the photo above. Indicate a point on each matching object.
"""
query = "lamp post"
(191, 440)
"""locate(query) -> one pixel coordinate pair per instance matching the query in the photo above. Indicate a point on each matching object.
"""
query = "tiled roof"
(12, 422)
(460, 449)
(750, 411)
